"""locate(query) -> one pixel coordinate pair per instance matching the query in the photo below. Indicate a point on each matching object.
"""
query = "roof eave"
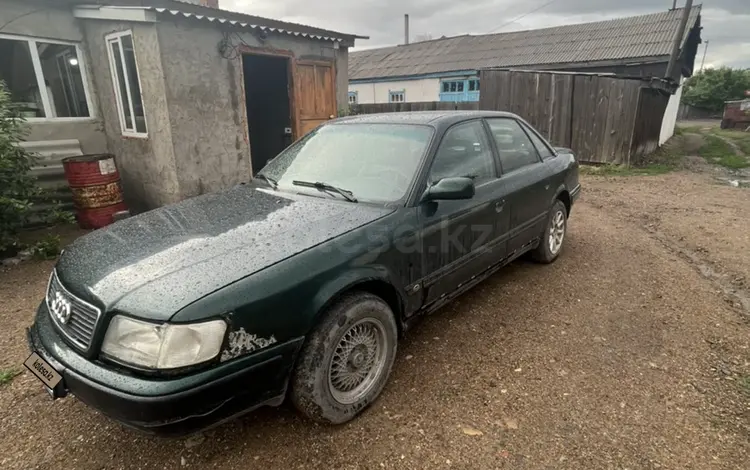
(128, 11)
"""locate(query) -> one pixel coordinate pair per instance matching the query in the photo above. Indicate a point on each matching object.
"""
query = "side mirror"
(450, 189)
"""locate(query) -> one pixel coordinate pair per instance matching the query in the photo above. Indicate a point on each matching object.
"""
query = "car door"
(459, 238)
(528, 180)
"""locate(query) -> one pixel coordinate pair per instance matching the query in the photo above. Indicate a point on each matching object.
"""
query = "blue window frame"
(396, 96)
(459, 90)
(353, 97)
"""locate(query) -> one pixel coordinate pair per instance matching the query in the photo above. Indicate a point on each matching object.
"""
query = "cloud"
(724, 21)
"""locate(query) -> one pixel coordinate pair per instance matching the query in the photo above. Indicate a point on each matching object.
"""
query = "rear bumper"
(189, 407)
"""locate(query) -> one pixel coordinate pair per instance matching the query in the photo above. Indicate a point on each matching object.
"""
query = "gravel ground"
(632, 351)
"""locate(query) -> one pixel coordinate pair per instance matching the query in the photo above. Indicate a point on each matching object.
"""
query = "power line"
(523, 16)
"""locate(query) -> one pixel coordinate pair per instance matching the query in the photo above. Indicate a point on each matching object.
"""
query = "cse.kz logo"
(60, 306)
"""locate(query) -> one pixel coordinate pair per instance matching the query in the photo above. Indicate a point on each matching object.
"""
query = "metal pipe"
(406, 28)
(678, 39)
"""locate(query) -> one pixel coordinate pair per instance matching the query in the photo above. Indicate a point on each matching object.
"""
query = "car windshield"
(375, 162)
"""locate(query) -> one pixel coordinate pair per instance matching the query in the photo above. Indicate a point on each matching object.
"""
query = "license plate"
(44, 372)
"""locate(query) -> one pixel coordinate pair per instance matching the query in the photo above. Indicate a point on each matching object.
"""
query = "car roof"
(433, 118)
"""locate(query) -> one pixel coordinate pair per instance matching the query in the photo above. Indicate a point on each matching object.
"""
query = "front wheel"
(554, 234)
(346, 360)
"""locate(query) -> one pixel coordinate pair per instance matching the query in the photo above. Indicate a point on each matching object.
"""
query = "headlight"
(163, 346)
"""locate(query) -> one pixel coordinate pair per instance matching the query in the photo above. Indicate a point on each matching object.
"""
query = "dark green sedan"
(300, 283)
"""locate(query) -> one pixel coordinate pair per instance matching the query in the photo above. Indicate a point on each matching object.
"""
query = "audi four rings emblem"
(60, 306)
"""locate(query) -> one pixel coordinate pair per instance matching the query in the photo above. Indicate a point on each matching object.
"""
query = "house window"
(127, 84)
(459, 90)
(396, 96)
(353, 97)
(46, 79)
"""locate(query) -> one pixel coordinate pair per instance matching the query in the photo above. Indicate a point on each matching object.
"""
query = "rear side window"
(513, 145)
(539, 144)
(464, 151)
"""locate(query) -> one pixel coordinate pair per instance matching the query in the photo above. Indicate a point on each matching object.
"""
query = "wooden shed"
(604, 118)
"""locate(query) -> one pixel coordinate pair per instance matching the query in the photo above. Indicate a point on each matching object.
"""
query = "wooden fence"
(374, 108)
(686, 113)
(604, 119)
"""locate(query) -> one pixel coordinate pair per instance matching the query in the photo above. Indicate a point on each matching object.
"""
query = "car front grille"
(73, 317)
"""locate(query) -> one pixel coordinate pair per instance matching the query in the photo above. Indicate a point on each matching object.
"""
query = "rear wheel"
(346, 360)
(554, 234)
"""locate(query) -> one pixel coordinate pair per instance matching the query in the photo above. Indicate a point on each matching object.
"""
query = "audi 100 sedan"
(300, 283)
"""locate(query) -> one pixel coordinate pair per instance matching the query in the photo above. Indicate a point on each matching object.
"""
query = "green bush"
(710, 88)
(46, 248)
(17, 187)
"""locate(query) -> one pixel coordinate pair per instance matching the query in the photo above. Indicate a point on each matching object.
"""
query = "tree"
(709, 89)
(17, 187)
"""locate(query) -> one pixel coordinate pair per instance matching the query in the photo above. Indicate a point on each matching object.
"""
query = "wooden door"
(316, 94)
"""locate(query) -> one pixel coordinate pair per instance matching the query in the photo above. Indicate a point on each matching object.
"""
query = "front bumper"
(168, 406)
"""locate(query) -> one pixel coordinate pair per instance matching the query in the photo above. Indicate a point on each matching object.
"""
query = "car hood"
(155, 263)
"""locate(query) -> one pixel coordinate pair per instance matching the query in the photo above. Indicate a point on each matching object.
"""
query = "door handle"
(499, 205)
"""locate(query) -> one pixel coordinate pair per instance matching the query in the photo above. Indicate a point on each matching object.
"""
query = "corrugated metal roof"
(243, 24)
(623, 38)
(179, 9)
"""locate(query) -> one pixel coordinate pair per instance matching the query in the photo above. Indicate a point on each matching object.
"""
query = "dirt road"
(631, 351)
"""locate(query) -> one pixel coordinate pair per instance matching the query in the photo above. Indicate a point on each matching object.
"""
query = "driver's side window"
(464, 151)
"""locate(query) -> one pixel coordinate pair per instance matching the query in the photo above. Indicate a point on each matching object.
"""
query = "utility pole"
(704, 55)
(674, 4)
(406, 29)
(678, 39)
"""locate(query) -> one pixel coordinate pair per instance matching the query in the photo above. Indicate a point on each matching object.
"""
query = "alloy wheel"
(556, 232)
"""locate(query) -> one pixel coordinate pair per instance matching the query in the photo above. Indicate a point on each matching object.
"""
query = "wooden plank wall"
(593, 115)
(373, 108)
(541, 99)
(603, 113)
(651, 107)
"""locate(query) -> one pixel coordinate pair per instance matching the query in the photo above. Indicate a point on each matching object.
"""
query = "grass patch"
(7, 375)
(717, 151)
(742, 139)
(663, 160)
(679, 130)
(745, 384)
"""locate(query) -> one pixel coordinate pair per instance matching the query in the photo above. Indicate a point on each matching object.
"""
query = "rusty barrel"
(95, 184)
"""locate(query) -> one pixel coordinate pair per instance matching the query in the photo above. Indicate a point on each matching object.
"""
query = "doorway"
(266, 81)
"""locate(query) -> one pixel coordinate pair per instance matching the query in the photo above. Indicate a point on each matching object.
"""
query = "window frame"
(109, 40)
(424, 178)
(36, 62)
(496, 151)
(392, 93)
(531, 131)
(465, 95)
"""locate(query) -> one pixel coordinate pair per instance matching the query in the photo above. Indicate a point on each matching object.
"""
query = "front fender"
(349, 280)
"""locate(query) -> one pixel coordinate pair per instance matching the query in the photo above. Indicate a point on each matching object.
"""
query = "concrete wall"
(205, 96)
(42, 21)
(670, 117)
(426, 89)
(147, 165)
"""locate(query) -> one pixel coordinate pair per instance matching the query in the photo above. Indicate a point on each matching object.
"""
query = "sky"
(726, 23)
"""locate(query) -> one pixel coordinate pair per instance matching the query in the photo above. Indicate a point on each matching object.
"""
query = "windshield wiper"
(346, 194)
(268, 180)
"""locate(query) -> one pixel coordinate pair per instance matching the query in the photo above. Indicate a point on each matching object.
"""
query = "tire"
(547, 251)
(364, 323)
